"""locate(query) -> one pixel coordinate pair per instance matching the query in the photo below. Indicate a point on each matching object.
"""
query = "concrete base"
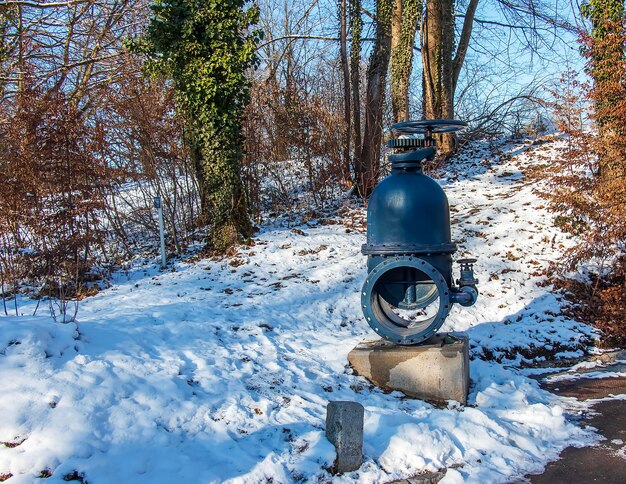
(436, 370)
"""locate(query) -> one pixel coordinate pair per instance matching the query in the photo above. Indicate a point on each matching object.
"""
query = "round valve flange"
(390, 317)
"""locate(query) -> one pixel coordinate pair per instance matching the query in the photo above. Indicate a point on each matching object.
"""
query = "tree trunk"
(225, 202)
(396, 25)
(440, 69)
(369, 164)
(356, 27)
(403, 28)
(461, 50)
(346, 88)
(437, 35)
(606, 68)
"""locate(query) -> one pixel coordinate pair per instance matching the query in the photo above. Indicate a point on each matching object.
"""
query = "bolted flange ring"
(389, 325)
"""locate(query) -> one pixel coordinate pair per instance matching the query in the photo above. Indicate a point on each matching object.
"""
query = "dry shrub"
(600, 302)
(55, 178)
(590, 190)
(294, 146)
(145, 144)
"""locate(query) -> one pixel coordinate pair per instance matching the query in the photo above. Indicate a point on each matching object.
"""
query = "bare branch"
(41, 5)
(306, 37)
(298, 37)
(464, 40)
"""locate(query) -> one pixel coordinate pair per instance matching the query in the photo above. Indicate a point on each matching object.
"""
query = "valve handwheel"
(429, 126)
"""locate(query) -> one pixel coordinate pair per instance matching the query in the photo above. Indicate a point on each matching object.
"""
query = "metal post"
(159, 207)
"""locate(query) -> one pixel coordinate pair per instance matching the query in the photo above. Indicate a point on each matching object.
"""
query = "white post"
(159, 207)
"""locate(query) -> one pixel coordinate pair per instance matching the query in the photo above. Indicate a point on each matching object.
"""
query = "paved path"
(605, 462)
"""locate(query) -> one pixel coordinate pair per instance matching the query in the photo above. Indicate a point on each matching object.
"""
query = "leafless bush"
(51, 161)
(145, 139)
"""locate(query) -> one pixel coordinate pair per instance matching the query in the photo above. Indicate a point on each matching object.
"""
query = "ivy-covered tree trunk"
(223, 199)
(356, 28)
(606, 54)
(607, 67)
(345, 69)
(406, 16)
(206, 46)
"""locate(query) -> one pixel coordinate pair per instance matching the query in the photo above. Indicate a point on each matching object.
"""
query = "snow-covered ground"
(219, 370)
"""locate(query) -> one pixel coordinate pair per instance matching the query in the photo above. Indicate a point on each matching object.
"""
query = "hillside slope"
(222, 370)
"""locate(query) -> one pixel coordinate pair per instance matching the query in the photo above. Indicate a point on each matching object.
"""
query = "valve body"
(409, 289)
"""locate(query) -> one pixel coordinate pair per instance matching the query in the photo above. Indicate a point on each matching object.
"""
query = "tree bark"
(441, 65)
(461, 50)
(403, 28)
(398, 102)
(437, 41)
(356, 27)
(343, 48)
(369, 165)
(396, 24)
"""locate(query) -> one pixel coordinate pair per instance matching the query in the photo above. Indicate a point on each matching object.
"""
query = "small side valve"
(466, 294)
(467, 273)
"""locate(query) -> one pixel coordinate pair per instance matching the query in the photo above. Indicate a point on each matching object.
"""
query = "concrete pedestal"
(436, 370)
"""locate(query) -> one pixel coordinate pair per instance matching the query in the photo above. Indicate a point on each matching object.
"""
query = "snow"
(221, 370)
(588, 375)
(591, 370)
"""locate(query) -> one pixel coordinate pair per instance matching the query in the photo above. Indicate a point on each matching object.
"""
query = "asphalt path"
(606, 461)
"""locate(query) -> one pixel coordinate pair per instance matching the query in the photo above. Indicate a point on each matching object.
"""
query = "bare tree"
(368, 166)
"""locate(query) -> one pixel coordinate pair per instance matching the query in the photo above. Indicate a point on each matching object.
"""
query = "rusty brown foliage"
(294, 145)
(146, 146)
(86, 142)
(54, 181)
(590, 191)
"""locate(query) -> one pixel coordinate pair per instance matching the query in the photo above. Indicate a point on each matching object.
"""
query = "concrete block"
(344, 429)
(436, 370)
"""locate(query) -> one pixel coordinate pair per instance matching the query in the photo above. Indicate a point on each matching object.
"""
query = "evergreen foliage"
(206, 47)
(604, 51)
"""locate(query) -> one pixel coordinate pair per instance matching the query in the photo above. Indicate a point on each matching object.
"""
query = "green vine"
(356, 30)
(206, 46)
(402, 55)
(600, 12)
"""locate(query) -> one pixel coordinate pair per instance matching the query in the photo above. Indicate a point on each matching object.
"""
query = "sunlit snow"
(221, 370)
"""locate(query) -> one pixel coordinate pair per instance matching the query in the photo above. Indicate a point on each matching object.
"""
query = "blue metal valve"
(409, 288)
